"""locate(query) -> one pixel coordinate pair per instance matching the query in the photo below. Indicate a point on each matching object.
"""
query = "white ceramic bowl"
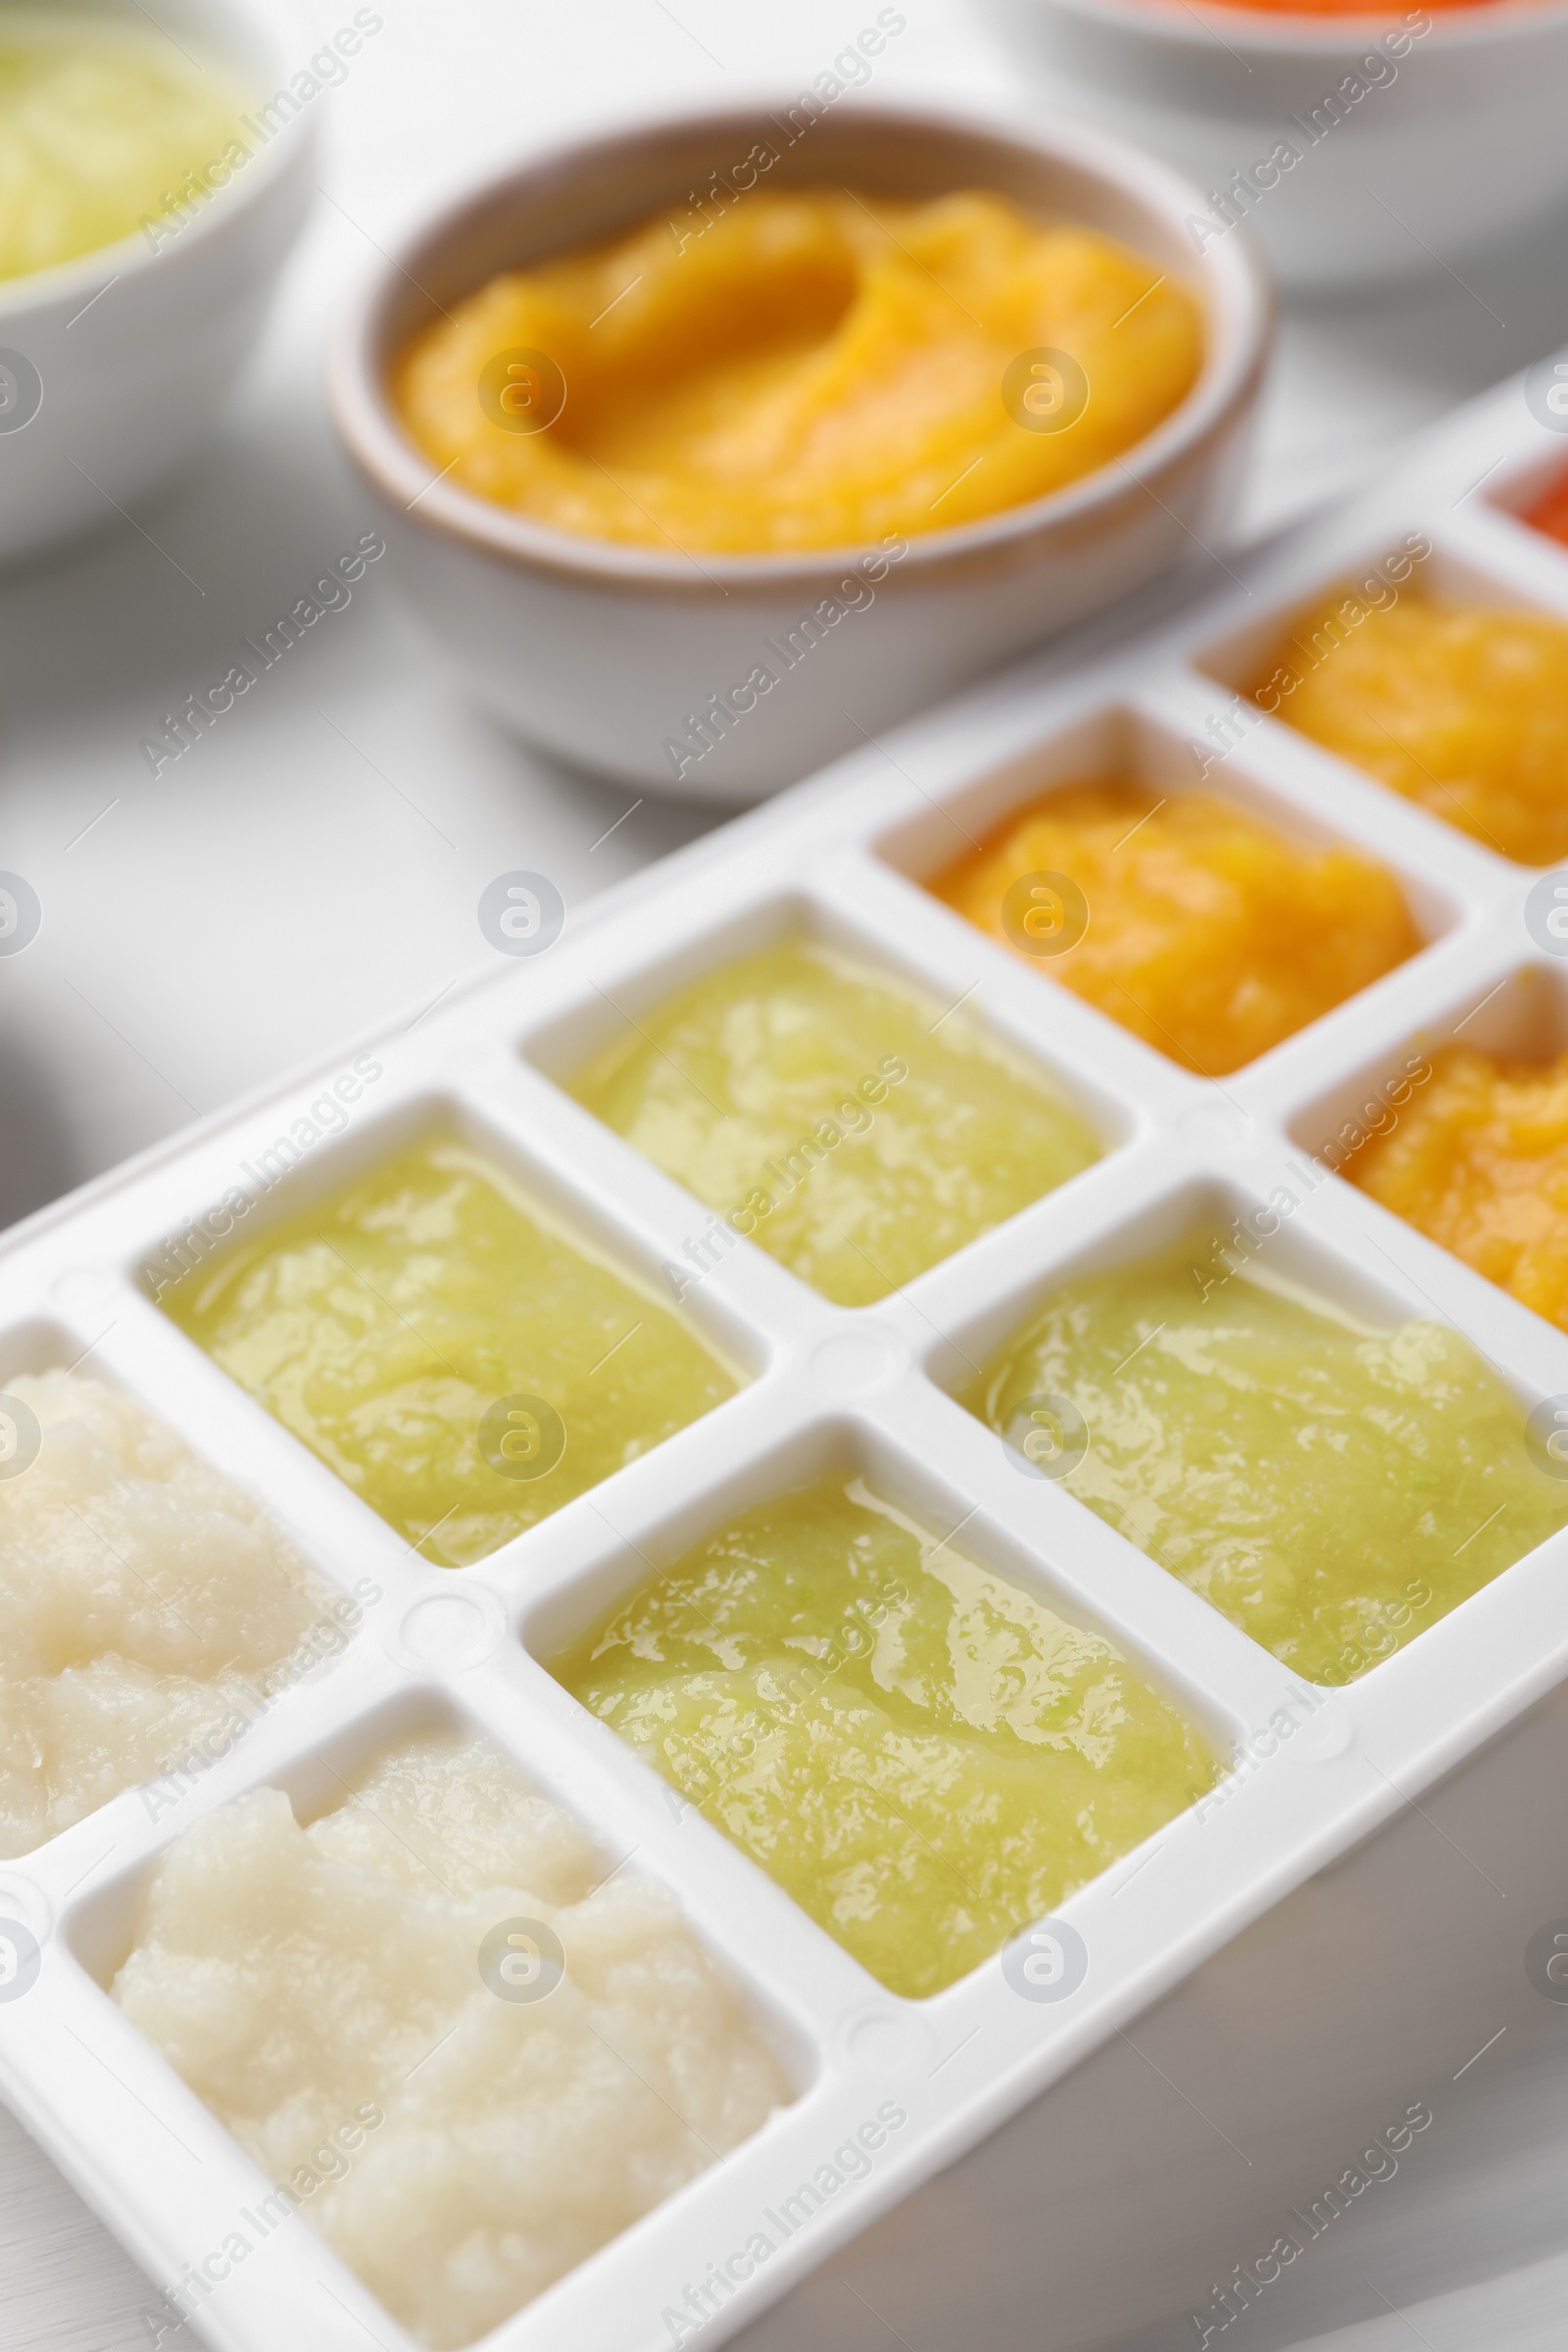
(114, 364)
(1458, 136)
(603, 653)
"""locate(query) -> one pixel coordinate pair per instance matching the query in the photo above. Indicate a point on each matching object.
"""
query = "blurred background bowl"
(118, 362)
(1459, 135)
(599, 651)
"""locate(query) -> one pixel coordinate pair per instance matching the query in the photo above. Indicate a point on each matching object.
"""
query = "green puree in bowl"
(102, 119)
(924, 1755)
(436, 1336)
(1333, 1488)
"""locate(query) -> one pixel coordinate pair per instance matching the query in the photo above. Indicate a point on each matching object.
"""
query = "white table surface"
(314, 865)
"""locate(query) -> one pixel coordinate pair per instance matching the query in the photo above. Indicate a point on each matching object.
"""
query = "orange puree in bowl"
(1347, 8)
(1461, 709)
(813, 368)
(1208, 935)
(1478, 1161)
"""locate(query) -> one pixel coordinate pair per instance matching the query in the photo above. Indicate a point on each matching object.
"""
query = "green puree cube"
(457, 1357)
(857, 1129)
(924, 1755)
(1335, 1489)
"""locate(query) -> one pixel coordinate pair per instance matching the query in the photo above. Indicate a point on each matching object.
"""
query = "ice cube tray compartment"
(1141, 744)
(874, 1386)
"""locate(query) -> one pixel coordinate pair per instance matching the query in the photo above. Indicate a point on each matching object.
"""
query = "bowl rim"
(1309, 31)
(130, 256)
(1237, 290)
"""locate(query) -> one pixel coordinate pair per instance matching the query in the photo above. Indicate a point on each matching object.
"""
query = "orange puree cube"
(1208, 934)
(1551, 512)
(1479, 1160)
(1462, 709)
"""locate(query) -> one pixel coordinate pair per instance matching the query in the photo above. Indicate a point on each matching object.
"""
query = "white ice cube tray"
(829, 1386)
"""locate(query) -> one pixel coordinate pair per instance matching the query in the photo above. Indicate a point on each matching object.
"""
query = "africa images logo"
(19, 1959)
